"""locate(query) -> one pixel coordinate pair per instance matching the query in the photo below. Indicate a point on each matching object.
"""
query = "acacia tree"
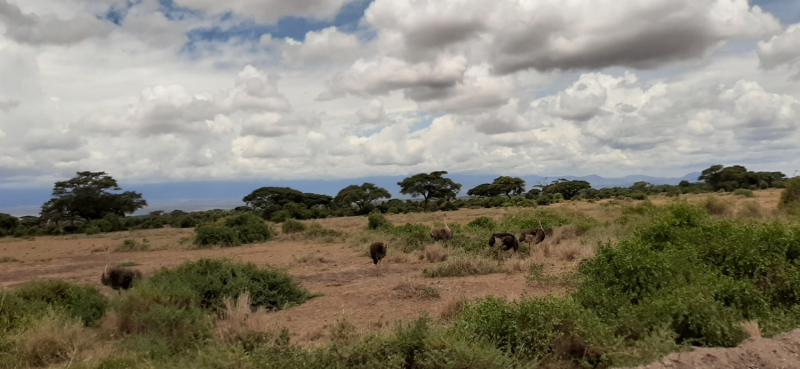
(508, 185)
(430, 186)
(483, 190)
(87, 197)
(361, 195)
(566, 188)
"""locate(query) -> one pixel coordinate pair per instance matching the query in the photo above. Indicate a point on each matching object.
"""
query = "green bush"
(187, 222)
(92, 230)
(409, 236)
(448, 206)
(483, 223)
(638, 196)
(316, 230)
(233, 230)
(534, 328)
(462, 267)
(32, 299)
(790, 197)
(162, 319)
(376, 220)
(216, 234)
(211, 280)
(744, 192)
(292, 226)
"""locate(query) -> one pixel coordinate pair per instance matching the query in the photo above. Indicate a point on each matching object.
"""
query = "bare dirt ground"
(779, 352)
(342, 273)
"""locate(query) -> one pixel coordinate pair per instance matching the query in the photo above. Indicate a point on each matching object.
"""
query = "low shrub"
(92, 230)
(436, 253)
(34, 298)
(212, 280)
(376, 220)
(638, 196)
(317, 230)
(744, 192)
(483, 223)
(790, 197)
(131, 245)
(233, 231)
(448, 206)
(714, 205)
(9, 259)
(292, 226)
(53, 339)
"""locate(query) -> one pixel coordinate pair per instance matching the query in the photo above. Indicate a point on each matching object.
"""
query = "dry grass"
(463, 266)
(452, 308)
(418, 291)
(752, 329)
(717, 206)
(437, 253)
(311, 259)
(238, 320)
(54, 339)
(8, 259)
(517, 263)
(570, 252)
(751, 209)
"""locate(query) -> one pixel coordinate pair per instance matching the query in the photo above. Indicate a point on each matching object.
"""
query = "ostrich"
(377, 251)
(119, 278)
(532, 236)
(506, 239)
(442, 234)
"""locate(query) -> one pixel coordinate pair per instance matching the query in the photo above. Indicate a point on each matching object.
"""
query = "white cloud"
(7, 105)
(372, 113)
(172, 109)
(49, 29)
(553, 34)
(326, 46)
(781, 49)
(267, 10)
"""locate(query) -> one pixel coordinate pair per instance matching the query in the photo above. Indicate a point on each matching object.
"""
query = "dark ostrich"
(442, 234)
(377, 251)
(532, 236)
(506, 239)
(120, 278)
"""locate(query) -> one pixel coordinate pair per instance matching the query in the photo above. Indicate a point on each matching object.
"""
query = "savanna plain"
(615, 283)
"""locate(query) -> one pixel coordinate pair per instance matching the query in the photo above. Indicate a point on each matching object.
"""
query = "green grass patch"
(9, 259)
(462, 267)
(233, 230)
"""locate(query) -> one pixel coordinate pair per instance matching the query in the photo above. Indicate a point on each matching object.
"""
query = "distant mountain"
(203, 195)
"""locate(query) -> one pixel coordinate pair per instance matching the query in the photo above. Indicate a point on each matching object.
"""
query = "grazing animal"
(377, 251)
(442, 234)
(506, 239)
(120, 278)
(532, 236)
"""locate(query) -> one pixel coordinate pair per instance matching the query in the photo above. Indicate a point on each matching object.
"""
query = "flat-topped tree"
(508, 185)
(430, 186)
(361, 195)
(483, 190)
(87, 197)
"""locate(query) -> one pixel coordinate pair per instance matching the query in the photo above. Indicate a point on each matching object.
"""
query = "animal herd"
(377, 250)
(124, 278)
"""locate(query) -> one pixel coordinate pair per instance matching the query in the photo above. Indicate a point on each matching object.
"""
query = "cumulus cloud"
(39, 139)
(172, 109)
(49, 29)
(551, 34)
(274, 125)
(326, 46)
(380, 76)
(781, 49)
(268, 11)
(372, 113)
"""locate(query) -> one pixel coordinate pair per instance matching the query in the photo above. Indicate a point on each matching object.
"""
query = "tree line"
(93, 202)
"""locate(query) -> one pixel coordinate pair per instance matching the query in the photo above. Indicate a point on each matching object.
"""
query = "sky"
(154, 91)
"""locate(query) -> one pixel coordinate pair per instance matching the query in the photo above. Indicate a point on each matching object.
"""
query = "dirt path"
(779, 352)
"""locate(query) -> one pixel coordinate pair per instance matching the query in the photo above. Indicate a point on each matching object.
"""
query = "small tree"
(361, 195)
(8, 221)
(87, 197)
(509, 186)
(568, 189)
(429, 186)
(483, 190)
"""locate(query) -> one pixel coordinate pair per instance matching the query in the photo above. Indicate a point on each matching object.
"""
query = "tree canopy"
(509, 185)
(483, 190)
(737, 176)
(568, 189)
(361, 195)
(430, 186)
(86, 197)
(280, 196)
(8, 221)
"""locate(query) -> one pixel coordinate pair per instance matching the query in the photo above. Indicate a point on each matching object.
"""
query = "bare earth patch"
(779, 352)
